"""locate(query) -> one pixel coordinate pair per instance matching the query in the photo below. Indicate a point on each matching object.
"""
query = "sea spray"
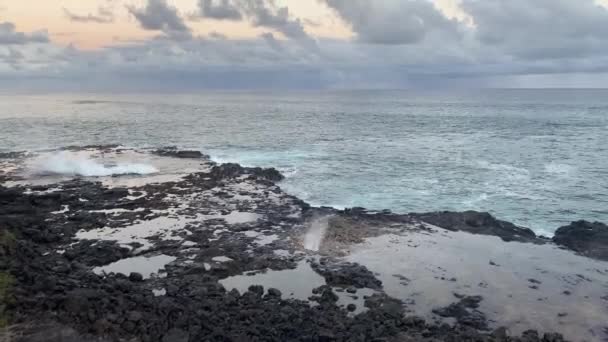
(71, 164)
(316, 233)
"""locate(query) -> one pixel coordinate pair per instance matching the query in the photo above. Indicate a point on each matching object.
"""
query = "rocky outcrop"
(347, 274)
(77, 304)
(587, 238)
(231, 170)
(479, 223)
(465, 312)
(176, 153)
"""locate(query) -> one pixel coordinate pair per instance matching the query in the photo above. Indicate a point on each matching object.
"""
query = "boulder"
(586, 238)
(176, 335)
(172, 151)
(136, 277)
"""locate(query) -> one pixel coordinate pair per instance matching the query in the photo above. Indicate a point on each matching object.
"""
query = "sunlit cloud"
(288, 43)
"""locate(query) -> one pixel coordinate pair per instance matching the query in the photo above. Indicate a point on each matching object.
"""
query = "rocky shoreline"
(184, 256)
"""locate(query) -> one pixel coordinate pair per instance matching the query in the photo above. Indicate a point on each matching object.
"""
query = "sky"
(179, 45)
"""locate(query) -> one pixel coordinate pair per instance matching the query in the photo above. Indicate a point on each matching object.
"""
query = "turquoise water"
(538, 158)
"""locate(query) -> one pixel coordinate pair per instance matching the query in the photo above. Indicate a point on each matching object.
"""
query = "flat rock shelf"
(120, 244)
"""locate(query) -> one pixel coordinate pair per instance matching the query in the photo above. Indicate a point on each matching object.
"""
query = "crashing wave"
(73, 165)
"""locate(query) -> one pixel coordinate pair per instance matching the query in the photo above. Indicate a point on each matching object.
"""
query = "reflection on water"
(146, 266)
(524, 286)
(296, 284)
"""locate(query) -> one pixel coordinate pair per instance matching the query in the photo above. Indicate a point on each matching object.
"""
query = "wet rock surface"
(465, 312)
(172, 151)
(346, 275)
(479, 223)
(223, 221)
(587, 238)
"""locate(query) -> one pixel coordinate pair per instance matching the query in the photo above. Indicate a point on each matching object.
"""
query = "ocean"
(538, 158)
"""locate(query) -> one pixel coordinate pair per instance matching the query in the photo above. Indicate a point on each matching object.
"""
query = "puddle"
(260, 238)
(295, 284)
(357, 298)
(282, 253)
(64, 209)
(117, 211)
(236, 217)
(159, 292)
(140, 232)
(441, 264)
(222, 259)
(146, 266)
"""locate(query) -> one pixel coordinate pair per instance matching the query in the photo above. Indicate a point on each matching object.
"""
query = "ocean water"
(538, 158)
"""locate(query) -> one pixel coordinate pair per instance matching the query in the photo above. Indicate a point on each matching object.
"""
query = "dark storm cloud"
(220, 10)
(393, 21)
(159, 16)
(104, 16)
(9, 35)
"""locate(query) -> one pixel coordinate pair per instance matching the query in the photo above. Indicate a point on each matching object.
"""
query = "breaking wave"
(559, 169)
(74, 165)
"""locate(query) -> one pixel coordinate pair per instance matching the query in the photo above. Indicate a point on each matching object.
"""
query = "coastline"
(220, 223)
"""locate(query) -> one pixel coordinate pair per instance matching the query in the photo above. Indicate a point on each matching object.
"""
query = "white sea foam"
(505, 170)
(559, 169)
(78, 165)
(473, 202)
(288, 172)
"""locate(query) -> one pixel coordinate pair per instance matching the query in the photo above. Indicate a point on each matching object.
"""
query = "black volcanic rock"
(137, 277)
(586, 238)
(184, 154)
(52, 280)
(347, 275)
(11, 155)
(465, 312)
(478, 223)
(231, 170)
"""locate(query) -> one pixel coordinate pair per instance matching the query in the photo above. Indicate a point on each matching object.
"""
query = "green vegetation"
(8, 244)
(6, 284)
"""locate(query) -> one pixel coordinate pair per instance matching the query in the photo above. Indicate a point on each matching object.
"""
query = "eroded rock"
(479, 223)
(587, 238)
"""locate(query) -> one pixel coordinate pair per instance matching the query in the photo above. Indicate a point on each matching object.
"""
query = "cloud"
(266, 62)
(393, 21)
(12, 57)
(265, 13)
(159, 16)
(217, 35)
(220, 10)
(271, 41)
(9, 35)
(540, 29)
(397, 44)
(104, 16)
(260, 13)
